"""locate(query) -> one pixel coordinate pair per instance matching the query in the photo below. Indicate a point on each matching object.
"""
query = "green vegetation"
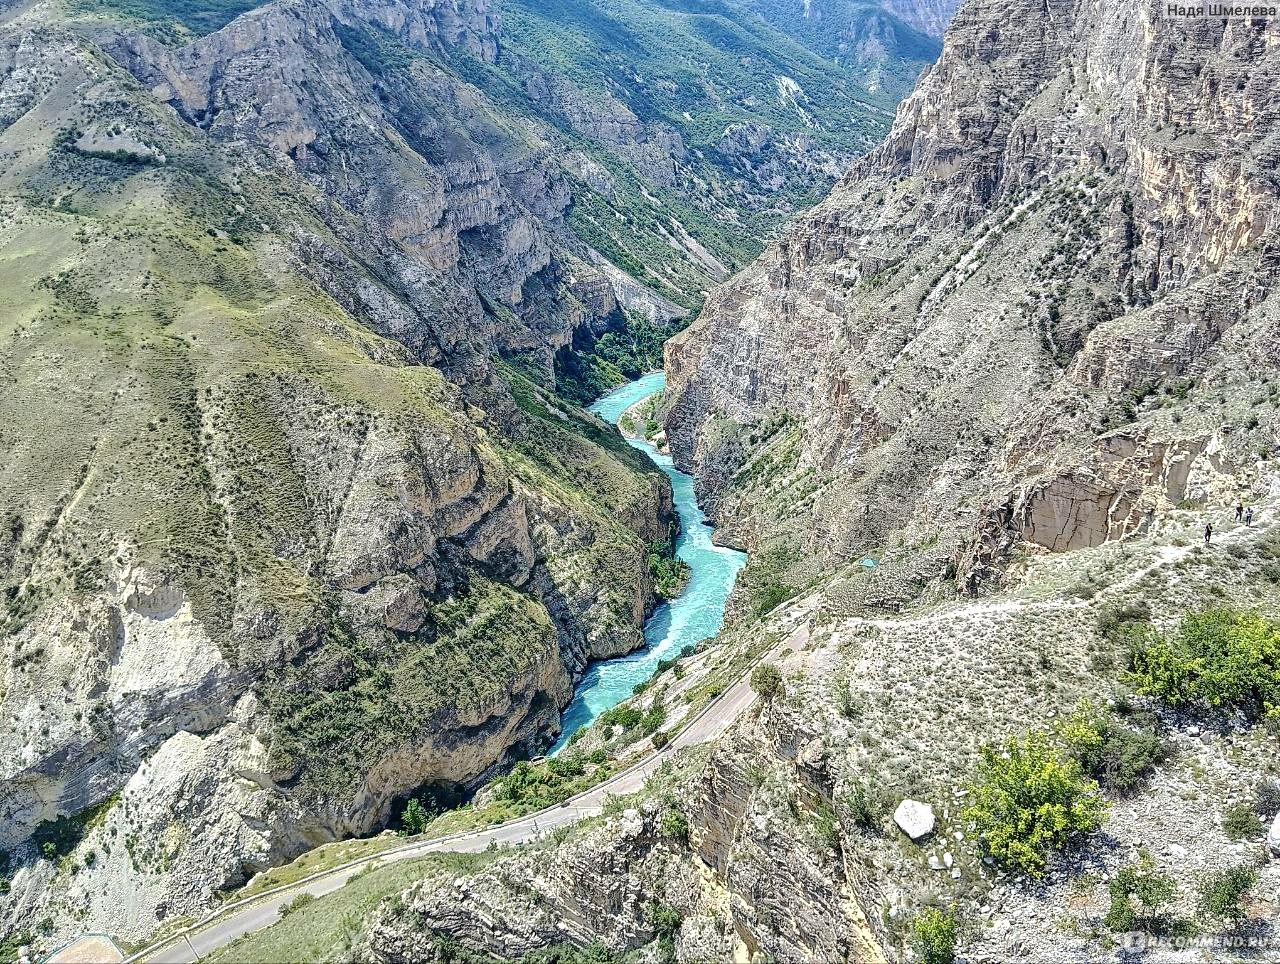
(629, 717)
(414, 818)
(172, 20)
(325, 928)
(378, 49)
(766, 578)
(1028, 801)
(866, 804)
(1119, 757)
(934, 934)
(530, 787)
(56, 838)
(1240, 822)
(766, 679)
(592, 366)
(313, 861)
(674, 824)
(10, 943)
(1137, 892)
(1223, 894)
(1218, 659)
(334, 723)
(669, 573)
(299, 902)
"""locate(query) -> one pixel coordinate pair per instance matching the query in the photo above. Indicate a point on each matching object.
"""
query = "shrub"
(766, 679)
(660, 739)
(674, 824)
(623, 716)
(1028, 801)
(665, 921)
(771, 597)
(1143, 884)
(1222, 894)
(1117, 756)
(933, 936)
(1266, 798)
(1239, 822)
(1121, 623)
(827, 826)
(866, 805)
(299, 902)
(414, 818)
(1218, 659)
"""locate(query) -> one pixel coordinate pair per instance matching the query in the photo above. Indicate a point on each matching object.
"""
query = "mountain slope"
(1068, 231)
(971, 415)
(282, 541)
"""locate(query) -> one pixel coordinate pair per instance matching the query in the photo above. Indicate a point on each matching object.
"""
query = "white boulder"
(914, 818)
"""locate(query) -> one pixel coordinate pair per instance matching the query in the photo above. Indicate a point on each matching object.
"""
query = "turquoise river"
(696, 614)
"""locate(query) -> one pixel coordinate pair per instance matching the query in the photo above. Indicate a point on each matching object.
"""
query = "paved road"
(238, 920)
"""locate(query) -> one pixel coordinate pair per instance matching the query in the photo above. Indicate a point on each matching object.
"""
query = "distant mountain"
(880, 45)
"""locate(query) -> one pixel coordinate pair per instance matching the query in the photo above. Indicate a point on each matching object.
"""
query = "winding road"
(254, 913)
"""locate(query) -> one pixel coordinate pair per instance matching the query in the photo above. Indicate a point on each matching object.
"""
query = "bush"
(1119, 623)
(827, 826)
(1218, 659)
(660, 739)
(1118, 756)
(674, 824)
(414, 818)
(1222, 894)
(766, 679)
(665, 921)
(1239, 822)
(1028, 801)
(866, 805)
(933, 936)
(1266, 798)
(299, 902)
(771, 597)
(1143, 884)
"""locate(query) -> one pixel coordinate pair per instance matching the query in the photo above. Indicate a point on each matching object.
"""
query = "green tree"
(766, 679)
(1218, 659)
(414, 818)
(934, 934)
(1028, 801)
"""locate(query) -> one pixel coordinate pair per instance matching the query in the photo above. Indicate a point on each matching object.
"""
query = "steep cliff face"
(283, 540)
(978, 338)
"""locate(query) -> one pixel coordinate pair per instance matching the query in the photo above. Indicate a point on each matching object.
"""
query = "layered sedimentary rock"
(283, 540)
(982, 336)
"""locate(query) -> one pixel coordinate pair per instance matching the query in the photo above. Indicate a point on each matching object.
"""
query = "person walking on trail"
(1239, 509)
(1208, 532)
(1248, 516)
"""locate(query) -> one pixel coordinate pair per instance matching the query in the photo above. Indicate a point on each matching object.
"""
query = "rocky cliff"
(1038, 312)
(284, 540)
(1024, 352)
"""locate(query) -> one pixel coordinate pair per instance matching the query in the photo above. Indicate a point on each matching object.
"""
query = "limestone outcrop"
(1039, 312)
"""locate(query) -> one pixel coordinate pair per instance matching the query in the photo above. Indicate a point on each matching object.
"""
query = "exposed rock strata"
(1068, 230)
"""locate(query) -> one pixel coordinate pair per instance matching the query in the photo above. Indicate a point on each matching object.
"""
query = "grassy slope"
(324, 927)
(173, 393)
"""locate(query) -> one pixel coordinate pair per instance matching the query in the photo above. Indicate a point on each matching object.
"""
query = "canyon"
(305, 518)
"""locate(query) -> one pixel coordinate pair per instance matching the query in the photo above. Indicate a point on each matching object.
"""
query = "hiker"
(1208, 532)
(1239, 509)
(1248, 516)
